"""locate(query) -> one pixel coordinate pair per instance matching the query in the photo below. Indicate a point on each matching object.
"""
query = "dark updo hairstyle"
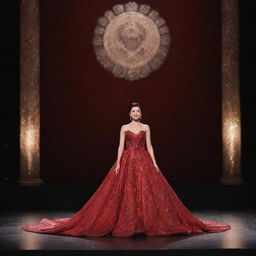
(135, 104)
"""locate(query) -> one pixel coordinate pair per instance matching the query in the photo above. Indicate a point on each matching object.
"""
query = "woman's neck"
(135, 122)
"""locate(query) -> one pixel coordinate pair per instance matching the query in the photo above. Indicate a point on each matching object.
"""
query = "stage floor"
(242, 235)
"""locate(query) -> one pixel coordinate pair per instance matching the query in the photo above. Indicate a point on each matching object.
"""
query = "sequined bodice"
(135, 141)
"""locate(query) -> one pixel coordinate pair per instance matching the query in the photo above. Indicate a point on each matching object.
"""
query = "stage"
(209, 201)
(239, 240)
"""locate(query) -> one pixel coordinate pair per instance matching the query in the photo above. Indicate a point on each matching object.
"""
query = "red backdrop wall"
(83, 106)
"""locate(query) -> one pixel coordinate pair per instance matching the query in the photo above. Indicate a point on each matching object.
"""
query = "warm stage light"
(231, 147)
(29, 145)
(233, 140)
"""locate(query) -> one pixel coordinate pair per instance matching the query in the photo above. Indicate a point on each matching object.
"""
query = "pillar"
(231, 117)
(29, 93)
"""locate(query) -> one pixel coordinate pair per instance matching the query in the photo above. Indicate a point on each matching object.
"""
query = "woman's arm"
(149, 145)
(121, 144)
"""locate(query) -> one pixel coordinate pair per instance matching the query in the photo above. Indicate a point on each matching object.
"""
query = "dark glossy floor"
(242, 235)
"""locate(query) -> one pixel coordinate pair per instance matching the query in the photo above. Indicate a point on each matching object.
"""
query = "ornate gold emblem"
(131, 40)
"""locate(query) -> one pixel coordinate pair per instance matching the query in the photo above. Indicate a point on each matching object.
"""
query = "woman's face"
(135, 113)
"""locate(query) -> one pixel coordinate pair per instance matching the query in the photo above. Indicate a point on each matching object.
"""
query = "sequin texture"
(136, 200)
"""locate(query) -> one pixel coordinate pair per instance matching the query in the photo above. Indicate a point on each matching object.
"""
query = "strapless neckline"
(135, 133)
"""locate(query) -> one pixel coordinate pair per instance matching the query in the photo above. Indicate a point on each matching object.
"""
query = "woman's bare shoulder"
(124, 126)
(146, 126)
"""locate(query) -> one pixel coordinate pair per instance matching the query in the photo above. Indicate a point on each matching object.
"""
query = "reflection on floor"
(242, 235)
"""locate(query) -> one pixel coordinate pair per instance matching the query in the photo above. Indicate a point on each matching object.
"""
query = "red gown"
(136, 200)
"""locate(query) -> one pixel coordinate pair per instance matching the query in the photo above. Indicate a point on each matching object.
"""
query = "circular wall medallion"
(131, 40)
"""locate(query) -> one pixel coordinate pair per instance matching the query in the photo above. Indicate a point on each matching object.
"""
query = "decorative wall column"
(29, 92)
(231, 120)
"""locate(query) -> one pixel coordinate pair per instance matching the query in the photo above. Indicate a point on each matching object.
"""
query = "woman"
(133, 198)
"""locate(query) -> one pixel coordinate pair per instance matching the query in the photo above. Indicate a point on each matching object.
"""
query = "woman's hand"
(157, 168)
(117, 168)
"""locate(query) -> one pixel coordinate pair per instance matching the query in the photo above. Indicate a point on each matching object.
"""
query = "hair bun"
(135, 104)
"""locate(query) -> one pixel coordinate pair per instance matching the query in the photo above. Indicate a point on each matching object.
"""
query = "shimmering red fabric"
(136, 200)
